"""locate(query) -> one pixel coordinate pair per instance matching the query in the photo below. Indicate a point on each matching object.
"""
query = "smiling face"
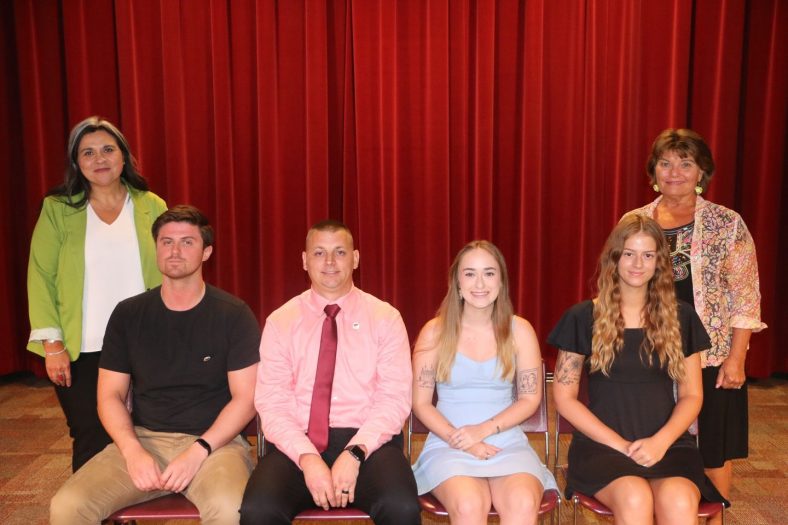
(330, 259)
(180, 251)
(638, 261)
(479, 279)
(100, 159)
(677, 176)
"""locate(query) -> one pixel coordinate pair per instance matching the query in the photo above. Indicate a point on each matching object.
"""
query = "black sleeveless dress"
(635, 400)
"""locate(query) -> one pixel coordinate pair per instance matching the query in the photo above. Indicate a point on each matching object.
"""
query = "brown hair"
(329, 225)
(660, 313)
(685, 143)
(449, 316)
(185, 213)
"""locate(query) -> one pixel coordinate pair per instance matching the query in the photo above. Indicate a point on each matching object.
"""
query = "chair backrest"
(536, 423)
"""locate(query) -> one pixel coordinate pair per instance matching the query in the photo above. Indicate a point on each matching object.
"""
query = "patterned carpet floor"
(35, 456)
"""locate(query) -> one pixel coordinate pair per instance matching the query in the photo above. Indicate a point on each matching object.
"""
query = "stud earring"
(698, 189)
(656, 187)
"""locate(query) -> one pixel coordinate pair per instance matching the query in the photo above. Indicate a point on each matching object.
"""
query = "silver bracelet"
(55, 353)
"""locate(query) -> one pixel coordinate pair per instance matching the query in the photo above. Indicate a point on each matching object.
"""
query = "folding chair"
(706, 509)
(537, 423)
(317, 514)
(172, 506)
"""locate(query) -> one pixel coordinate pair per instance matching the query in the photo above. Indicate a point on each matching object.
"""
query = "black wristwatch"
(357, 452)
(204, 444)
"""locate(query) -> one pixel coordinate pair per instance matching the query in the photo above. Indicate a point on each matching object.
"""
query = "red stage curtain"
(422, 125)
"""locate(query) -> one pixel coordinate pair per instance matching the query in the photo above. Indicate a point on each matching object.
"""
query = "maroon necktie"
(324, 380)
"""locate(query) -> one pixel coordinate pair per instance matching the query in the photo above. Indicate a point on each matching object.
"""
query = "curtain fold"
(422, 125)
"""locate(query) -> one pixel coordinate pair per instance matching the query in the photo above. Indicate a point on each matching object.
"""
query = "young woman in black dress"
(632, 450)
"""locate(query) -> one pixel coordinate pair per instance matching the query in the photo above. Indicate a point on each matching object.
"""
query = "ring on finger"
(346, 492)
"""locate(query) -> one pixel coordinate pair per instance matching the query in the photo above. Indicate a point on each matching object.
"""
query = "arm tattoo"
(568, 368)
(526, 382)
(426, 377)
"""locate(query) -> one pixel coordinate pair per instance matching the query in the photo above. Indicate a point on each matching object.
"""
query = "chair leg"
(574, 509)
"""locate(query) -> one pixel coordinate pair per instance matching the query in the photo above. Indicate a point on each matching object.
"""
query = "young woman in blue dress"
(487, 368)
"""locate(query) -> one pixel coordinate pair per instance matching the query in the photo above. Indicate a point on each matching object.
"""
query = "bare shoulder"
(522, 331)
(428, 335)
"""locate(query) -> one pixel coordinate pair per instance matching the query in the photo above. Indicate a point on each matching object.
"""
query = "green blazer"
(56, 271)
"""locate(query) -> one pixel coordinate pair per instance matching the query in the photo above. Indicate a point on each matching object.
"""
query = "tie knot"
(332, 310)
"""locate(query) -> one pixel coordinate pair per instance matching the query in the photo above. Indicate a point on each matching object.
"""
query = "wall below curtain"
(422, 125)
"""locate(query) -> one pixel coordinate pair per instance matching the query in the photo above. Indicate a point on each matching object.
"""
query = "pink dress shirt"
(372, 378)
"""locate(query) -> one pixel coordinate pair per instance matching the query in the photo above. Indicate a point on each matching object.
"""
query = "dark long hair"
(74, 182)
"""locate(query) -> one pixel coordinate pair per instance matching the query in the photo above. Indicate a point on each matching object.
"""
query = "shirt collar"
(317, 302)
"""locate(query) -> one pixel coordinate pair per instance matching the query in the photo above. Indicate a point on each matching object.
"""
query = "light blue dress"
(475, 394)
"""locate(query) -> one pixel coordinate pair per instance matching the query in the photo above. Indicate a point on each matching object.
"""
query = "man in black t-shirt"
(189, 351)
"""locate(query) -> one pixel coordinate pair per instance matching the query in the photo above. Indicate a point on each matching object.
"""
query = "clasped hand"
(466, 436)
(646, 452)
(330, 487)
(470, 439)
(146, 474)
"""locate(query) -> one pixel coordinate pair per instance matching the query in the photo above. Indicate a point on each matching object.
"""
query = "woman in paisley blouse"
(715, 270)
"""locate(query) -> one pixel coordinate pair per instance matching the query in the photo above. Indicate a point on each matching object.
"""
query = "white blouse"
(113, 271)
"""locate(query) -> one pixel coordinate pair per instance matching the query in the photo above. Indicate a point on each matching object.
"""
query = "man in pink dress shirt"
(363, 464)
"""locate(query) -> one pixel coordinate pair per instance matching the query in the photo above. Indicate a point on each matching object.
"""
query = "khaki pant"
(103, 485)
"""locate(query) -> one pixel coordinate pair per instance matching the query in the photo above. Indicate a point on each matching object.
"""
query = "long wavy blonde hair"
(449, 317)
(660, 313)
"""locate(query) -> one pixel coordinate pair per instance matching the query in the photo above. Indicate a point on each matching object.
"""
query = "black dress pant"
(385, 489)
(78, 402)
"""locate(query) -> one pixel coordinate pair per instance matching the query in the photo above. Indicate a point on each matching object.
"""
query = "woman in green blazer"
(91, 247)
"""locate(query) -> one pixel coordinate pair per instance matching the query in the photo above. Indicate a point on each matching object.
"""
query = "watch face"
(357, 452)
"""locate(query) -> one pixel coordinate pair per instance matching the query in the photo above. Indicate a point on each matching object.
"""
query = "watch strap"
(204, 444)
(357, 452)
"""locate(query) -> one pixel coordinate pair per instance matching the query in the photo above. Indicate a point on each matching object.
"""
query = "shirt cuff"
(296, 450)
(38, 335)
(747, 323)
(370, 440)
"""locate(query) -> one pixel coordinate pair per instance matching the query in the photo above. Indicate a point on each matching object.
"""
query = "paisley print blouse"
(724, 275)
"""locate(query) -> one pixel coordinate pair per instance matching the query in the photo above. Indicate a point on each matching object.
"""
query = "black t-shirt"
(179, 361)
